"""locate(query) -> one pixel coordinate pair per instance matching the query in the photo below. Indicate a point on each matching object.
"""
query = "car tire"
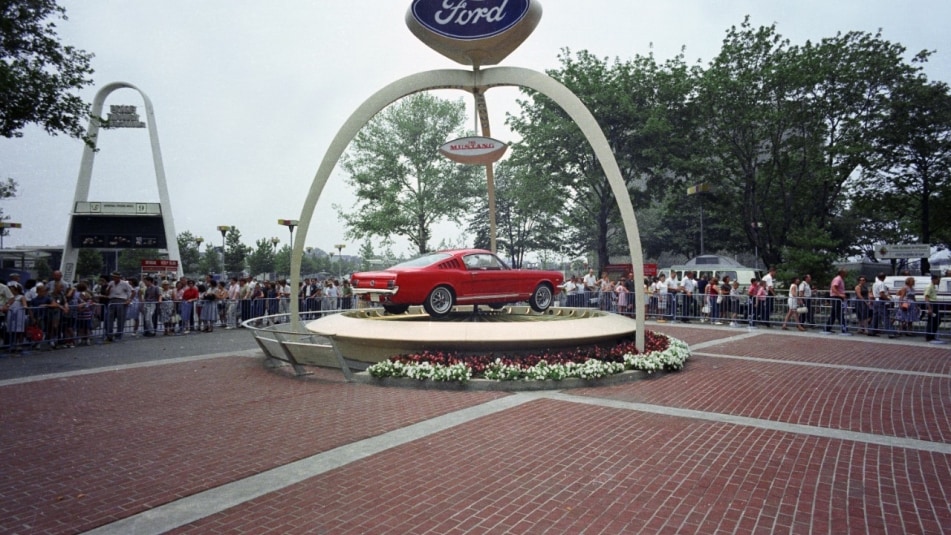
(439, 302)
(541, 298)
(396, 309)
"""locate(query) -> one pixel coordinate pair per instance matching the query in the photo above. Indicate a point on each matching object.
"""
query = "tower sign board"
(117, 225)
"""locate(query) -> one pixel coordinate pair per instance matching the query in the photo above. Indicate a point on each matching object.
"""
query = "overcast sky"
(249, 94)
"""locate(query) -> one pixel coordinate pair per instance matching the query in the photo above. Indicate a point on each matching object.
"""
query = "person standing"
(908, 312)
(119, 294)
(151, 297)
(769, 281)
(793, 304)
(863, 305)
(933, 310)
(805, 297)
(880, 320)
(837, 296)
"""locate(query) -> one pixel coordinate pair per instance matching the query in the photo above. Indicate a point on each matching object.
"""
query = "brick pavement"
(763, 432)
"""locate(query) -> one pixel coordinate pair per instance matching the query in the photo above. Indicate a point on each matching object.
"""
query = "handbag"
(802, 310)
(34, 333)
(705, 309)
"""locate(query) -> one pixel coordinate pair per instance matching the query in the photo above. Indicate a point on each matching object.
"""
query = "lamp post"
(198, 240)
(4, 225)
(224, 230)
(339, 247)
(274, 241)
(290, 224)
(699, 190)
(756, 225)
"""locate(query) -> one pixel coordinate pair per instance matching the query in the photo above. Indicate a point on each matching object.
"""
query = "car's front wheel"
(439, 302)
(541, 298)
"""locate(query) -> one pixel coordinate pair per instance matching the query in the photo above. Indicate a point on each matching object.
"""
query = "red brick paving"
(80, 452)
(86, 450)
(555, 467)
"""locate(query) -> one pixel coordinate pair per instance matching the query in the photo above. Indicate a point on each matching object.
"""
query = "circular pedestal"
(371, 336)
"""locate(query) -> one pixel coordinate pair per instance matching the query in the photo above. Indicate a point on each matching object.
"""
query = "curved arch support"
(471, 81)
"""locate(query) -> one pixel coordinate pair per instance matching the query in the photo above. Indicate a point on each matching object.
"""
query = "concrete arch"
(70, 254)
(471, 81)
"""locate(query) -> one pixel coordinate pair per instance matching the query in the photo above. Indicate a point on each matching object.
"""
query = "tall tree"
(528, 213)
(210, 261)
(261, 258)
(402, 184)
(640, 106)
(235, 252)
(38, 74)
(786, 126)
(89, 264)
(907, 188)
(188, 252)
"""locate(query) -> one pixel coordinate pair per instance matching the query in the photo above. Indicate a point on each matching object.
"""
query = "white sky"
(249, 94)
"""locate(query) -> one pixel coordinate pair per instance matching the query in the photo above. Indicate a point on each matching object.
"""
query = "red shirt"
(190, 293)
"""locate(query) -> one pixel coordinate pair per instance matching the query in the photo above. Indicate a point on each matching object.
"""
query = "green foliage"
(282, 261)
(210, 261)
(235, 252)
(641, 107)
(188, 252)
(38, 74)
(261, 259)
(527, 213)
(402, 185)
(43, 269)
(130, 260)
(89, 264)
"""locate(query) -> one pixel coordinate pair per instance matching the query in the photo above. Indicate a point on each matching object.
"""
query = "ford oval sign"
(469, 19)
(473, 32)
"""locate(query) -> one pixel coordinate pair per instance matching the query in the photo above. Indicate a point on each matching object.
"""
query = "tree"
(906, 193)
(210, 261)
(130, 260)
(89, 264)
(261, 259)
(527, 213)
(784, 127)
(640, 106)
(189, 253)
(282, 261)
(38, 73)
(402, 184)
(235, 252)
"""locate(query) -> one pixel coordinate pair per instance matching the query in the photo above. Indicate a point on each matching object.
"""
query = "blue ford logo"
(469, 19)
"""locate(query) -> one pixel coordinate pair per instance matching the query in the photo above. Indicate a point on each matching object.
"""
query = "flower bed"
(661, 353)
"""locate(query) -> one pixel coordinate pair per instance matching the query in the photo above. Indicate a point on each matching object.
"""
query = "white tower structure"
(139, 221)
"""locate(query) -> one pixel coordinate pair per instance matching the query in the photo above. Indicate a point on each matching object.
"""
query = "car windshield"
(424, 260)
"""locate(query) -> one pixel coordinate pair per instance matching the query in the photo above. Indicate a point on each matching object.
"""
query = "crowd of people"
(722, 301)
(55, 314)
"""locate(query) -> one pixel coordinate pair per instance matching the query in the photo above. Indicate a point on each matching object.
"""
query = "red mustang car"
(442, 280)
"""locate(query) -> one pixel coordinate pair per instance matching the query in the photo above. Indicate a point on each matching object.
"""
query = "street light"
(756, 225)
(290, 224)
(224, 230)
(339, 248)
(4, 225)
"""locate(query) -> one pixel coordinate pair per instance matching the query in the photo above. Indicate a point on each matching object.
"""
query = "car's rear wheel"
(541, 298)
(396, 309)
(439, 302)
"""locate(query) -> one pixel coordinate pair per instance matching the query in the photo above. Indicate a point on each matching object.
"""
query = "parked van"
(897, 282)
(716, 266)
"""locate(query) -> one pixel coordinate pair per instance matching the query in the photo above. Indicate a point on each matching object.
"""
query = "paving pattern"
(764, 432)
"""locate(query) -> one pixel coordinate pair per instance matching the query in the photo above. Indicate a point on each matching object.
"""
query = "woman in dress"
(209, 308)
(16, 318)
(908, 312)
(863, 305)
(167, 308)
(792, 304)
(622, 297)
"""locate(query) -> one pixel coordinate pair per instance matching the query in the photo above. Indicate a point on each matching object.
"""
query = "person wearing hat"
(120, 295)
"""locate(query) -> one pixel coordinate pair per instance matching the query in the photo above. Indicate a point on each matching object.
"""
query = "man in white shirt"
(770, 293)
(663, 299)
(120, 295)
(880, 322)
(688, 289)
(805, 295)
